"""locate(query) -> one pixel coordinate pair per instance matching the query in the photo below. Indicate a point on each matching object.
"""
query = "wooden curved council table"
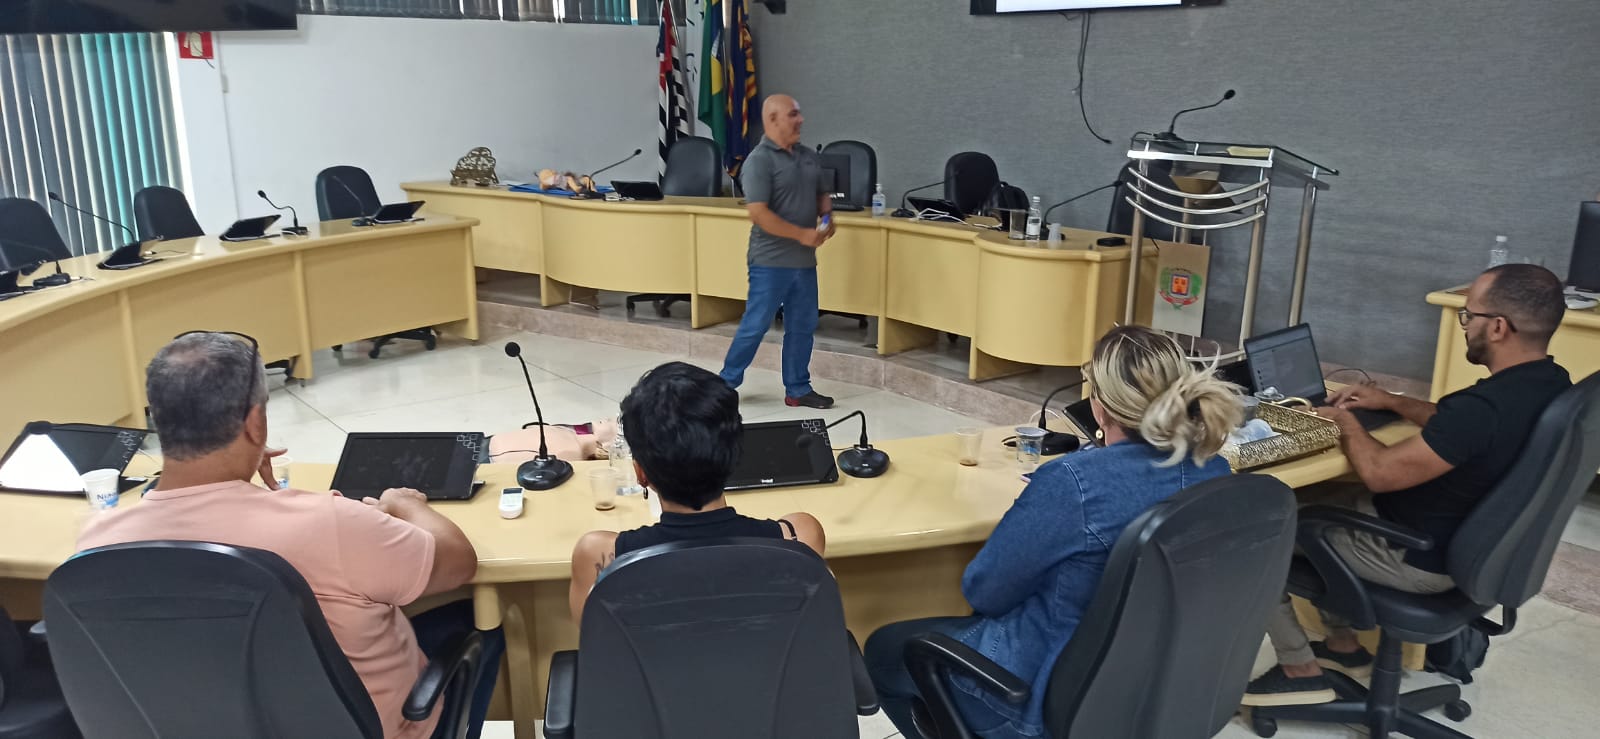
(1022, 305)
(78, 352)
(898, 544)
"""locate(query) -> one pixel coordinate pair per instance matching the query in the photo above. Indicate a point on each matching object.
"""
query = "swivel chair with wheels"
(181, 638)
(1499, 556)
(970, 179)
(1166, 645)
(694, 169)
(163, 213)
(31, 705)
(347, 192)
(27, 235)
(753, 625)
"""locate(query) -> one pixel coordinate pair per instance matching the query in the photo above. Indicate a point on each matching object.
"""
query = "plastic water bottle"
(622, 462)
(1501, 253)
(1035, 219)
(879, 202)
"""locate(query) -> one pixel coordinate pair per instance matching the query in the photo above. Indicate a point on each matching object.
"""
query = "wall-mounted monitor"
(1002, 7)
(121, 16)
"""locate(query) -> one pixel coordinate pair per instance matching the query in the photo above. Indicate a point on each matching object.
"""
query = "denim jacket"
(1033, 580)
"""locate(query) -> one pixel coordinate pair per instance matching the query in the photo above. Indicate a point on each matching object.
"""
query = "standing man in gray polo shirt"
(784, 193)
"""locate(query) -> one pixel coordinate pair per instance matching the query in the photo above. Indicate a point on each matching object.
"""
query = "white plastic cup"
(969, 444)
(1055, 236)
(280, 470)
(100, 486)
(1030, 448)
(603, 488)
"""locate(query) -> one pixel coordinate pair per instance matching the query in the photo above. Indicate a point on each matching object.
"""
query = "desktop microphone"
(1079, 196)
(296, 229)
(903, 211)
(861, 460)
(23, 270)
(590, 193)
(1168, 135)
(1056, 442)
(365, 220)
(543, 471)
(61, 279)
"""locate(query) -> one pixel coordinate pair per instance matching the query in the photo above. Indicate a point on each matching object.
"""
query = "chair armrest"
(561, 695)
(459, 658)
(37, 632)
(866, 695)
(931, 656)
(1343, 590)
(1508, 621)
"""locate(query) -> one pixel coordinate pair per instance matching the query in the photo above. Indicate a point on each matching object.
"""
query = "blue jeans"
(437, 627)
(885, 658)
(794, 290)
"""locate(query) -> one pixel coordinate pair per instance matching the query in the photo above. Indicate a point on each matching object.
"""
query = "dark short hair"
(682, 423)
(199, 388)
(1530, 295)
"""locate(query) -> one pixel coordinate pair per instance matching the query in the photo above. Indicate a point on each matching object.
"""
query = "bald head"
(781, 120)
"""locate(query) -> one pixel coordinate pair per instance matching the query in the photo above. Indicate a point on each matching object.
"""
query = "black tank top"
(714, 524)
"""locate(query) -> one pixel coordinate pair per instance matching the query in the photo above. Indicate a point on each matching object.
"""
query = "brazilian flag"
(712, 107)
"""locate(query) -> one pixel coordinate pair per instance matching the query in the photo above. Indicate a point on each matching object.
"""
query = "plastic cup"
(101, 488)
(1055, 236)
(1030, 447)
(603, 488)
(969, 442)
(280, 471)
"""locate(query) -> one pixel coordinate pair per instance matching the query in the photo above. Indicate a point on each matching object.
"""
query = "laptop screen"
(1287, 360)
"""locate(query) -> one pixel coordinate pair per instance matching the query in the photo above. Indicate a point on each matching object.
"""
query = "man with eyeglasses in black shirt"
(1432, 481)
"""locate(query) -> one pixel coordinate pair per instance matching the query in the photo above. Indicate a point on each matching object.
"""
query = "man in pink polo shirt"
(362, 559)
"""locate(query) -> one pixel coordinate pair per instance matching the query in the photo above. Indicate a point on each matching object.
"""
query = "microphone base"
(586, 195)
(1056, 442)
(543, 473)
(863, 461)
(53, 280)
(1168, 136)
(362, 222)
(296, 231)
(903, 213)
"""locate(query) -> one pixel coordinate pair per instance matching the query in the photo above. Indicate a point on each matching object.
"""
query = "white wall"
(405, 98)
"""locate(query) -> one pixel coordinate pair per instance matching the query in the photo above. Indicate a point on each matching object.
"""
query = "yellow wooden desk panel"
(253, 297)
(1575, 346)
(507, 234)
(70, 364)
(624, 249)
(401, 282)
(850, 269)
(931, 279)
(722, 249)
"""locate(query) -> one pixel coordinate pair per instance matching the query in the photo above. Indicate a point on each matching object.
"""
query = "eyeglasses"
(255, 360)
(1465, 317)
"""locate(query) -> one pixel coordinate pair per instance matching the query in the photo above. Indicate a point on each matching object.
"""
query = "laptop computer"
(637, 190)
(440, 465)
(249, 229)
(398, 212)
(781, 453)
(49, 457)
(1287, 360)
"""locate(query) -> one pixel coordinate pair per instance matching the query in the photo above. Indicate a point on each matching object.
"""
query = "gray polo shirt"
(789, 183)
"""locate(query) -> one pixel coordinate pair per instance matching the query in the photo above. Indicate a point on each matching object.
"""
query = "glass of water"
(1030, 447)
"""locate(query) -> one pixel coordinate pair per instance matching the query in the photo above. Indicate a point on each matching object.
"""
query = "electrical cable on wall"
(1083, 54)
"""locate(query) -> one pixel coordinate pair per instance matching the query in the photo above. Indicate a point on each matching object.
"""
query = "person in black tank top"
(684, 428)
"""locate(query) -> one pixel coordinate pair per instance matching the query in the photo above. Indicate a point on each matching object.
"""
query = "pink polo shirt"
(362, 565)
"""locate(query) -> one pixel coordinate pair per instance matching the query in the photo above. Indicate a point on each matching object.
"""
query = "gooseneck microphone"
(296, 229)
(365, 220)
(861, 460)
(1056, 442)
(132, 238)
(1168, 134)
(1077, 197)
(903, 211)
(590, 193)
(543, 472)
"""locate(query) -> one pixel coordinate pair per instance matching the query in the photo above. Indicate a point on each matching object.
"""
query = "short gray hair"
(200, 389)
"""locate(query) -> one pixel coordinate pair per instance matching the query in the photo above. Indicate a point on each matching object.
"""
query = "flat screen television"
(123, 16)
(1004, 7)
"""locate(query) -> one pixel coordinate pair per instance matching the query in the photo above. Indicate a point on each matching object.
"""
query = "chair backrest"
(355, 199)
(863, 168)
(27, 235)
(163, 213)
(172, 639)
(720, 638)
(969, 179)
(12, 653)
(1166, 646)
(694, 168)
(1501, 553)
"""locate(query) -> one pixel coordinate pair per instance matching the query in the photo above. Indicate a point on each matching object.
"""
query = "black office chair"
(694, 169)
(31, 705)
(163, 213)
(1005, 199)
(347, 192)
(1119, 220)
(28, 236)
(1499, 556)
(754, 626)
(863, 183)
(970, 179)
(192, 639)
(1166, 646)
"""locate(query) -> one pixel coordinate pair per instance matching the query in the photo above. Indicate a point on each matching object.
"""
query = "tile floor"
(1537, 682)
